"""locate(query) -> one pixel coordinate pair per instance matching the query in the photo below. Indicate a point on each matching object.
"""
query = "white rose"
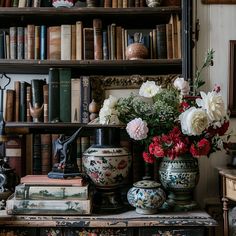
(104, 114)
(149, 89)
(193, 121)
(110, 102)
(214, 105)
(182, 85)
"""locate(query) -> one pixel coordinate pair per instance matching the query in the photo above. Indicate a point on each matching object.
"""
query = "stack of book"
(38, 194)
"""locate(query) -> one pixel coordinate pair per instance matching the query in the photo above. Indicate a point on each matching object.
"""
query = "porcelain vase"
(107, 164)
(146, 196)
(179, 178)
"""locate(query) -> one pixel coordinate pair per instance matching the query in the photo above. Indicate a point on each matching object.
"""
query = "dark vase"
(107, 164)
(179, 178)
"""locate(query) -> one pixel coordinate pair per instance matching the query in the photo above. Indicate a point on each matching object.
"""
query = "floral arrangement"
(169, 121)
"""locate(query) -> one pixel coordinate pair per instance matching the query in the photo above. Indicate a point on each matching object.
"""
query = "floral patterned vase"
(107, 164)
(179, 177)
(146, 196)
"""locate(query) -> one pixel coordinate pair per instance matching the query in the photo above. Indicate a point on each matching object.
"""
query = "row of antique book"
(79, 42)
(97, 3)
(61, 99)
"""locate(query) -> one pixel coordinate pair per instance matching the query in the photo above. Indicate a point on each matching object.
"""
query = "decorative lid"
(147, 184)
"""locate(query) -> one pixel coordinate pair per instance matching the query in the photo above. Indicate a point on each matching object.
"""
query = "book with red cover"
(45, 180)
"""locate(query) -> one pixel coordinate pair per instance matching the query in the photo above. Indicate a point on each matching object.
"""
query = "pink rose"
(137, 129)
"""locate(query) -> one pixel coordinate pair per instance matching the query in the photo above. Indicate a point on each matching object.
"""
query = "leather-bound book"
(20, 43)
(13, 42)
(79, 40)
(37, 159)
(125, 3)
(65, 42)
(23, 101)
(120, 4)
(107, 3)
(85, 98)
(75, 100)
(73, 42)
(43, 42)
(88, 43)
(54, 42)
(45, 102)
(137, 3)
(25, 43)
(53, 95)
(15, 154)
(114, 3)
(30, 41)
(105, 45)
(97, 27)
(169, 45)
(37, 42)
(119, 52)
(131, 3)
(28, 100)
(46, 146)
(65, 94)
(161, 41)
(10, 105)
(17, 101)
(142, 3)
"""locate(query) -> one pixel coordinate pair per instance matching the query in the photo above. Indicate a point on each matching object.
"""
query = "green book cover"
(53, 95)
(65, 94)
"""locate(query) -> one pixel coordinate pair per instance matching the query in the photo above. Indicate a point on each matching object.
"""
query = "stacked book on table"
(38, 194)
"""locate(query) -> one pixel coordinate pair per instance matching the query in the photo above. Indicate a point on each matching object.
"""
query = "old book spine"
(25, 43)
(37, 42)
(136, 3)
(125, 3)
(29, 154)
(75, 100)
(154, 44)
(2, 49)
(65, 42)
(2, 2)
(45, 102)
(73, 42)
(55, 42)
(97, 27)
(169, 46)
(142, 3)
(53, 95)
(36, 3)
(30, 41)
(119, 53)
(120, 3)
(21, 3)
(79, 40)
(105, 45)
(10, 105)
(7, 46)
(88, 43)
(131, 3)
(114, 3)
(28, 3)
(13, 42)
(23, 102)
(46, 153)
(179, 37)
(20, 43)
(37, 159)
(85, 98)
(14, 153)
(113, 41)
(7, 3)
(65, 94)
(17, 102)
(43, 42)
(28, 101)
(107, 3)
(161, 41)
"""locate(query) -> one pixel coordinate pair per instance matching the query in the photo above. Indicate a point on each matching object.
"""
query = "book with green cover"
(65, 94)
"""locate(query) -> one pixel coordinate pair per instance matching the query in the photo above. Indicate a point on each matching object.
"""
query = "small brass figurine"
(36, 111)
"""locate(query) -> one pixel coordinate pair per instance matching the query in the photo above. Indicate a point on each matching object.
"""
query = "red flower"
(202, 148)
(184, 106)
(122, 164)
(148, 157)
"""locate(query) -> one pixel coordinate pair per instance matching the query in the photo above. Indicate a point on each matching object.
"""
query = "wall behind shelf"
(217, 27)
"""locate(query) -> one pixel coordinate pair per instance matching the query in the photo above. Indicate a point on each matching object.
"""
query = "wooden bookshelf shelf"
(146, 66)
(30, 127)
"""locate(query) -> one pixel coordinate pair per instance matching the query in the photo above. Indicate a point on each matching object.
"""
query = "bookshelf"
(130, 18)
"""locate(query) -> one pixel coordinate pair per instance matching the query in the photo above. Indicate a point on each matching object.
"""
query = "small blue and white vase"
(146, 196)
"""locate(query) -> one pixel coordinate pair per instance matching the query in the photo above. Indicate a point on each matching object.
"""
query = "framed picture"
(103, 86)
(219, 1)
(232, 78)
